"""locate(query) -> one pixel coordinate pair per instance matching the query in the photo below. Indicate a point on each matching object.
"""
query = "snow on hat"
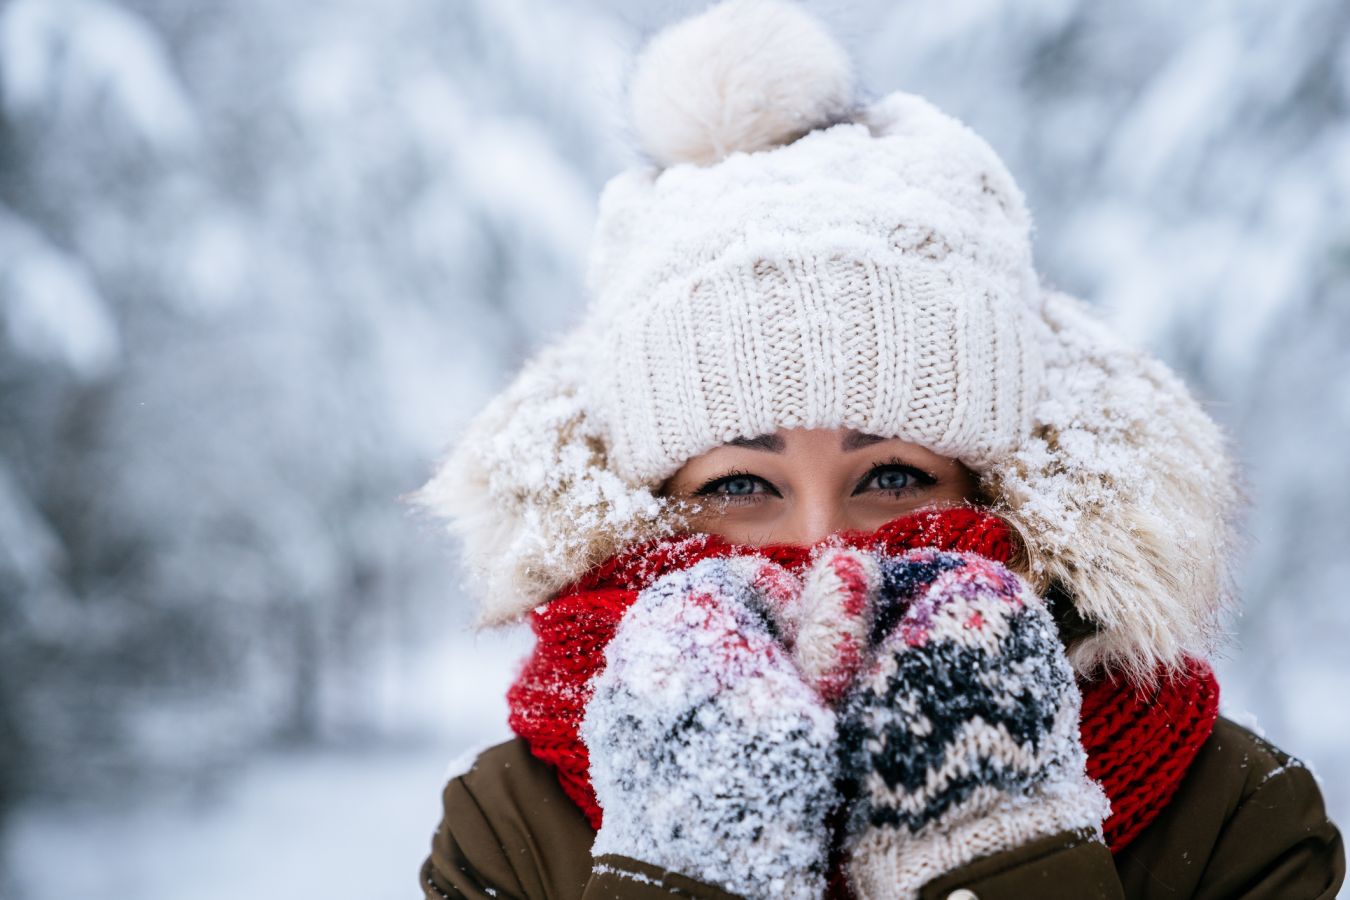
(874, 275)
(794, 257)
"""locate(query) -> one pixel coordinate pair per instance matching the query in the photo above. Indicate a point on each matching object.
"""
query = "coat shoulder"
(506, 824)
(1248, 816)
(502, 767)
(1250, 757)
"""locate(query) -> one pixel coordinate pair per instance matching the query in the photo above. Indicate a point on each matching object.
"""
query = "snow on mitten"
(710, 756)
(961, 737)
(826, 624)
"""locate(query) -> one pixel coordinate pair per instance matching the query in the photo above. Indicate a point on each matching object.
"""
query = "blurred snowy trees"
(254, 266)
(1189, 169)
(258, 260)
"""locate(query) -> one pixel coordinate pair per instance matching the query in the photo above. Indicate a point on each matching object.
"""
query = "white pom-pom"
(743, 75)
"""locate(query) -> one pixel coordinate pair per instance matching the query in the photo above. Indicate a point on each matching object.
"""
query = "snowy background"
(260, 260)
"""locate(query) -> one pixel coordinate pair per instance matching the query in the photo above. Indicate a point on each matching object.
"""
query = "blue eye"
(895, 478)
(736, 486)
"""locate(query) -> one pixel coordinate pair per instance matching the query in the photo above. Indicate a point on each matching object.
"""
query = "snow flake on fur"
(1125, 495)
(529, 493)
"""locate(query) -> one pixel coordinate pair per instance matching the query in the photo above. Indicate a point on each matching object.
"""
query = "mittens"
(710, 755)
(715, 751)
(960, 738)
(826, 622)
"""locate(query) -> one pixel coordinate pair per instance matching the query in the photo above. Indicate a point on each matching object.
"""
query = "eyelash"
(920, 478)
(709, 488)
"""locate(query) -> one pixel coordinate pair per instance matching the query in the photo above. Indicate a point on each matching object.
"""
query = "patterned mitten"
(961, 737)
(826, 623)
(710, 756)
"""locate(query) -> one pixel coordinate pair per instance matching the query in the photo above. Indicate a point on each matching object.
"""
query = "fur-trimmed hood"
(1124, 494)
(797, 257)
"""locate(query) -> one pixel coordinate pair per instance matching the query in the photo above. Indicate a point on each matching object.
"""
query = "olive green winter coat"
(1247, 822)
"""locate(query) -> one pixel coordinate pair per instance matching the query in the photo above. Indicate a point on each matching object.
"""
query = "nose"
(813, 518)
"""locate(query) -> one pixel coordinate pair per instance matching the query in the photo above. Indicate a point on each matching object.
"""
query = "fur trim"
(1124, 493)
(1125, 496)
(744, 75)
(529, 493)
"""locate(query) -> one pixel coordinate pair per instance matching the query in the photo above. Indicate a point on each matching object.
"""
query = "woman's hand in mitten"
(710, 755)
(960, 738)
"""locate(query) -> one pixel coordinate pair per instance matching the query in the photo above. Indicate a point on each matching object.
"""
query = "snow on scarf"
(1139, 742)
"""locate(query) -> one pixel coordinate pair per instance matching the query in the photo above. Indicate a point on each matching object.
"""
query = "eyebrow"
(856, 440)
(772, 443)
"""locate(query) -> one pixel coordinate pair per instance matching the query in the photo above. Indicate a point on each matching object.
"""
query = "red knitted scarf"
(1139, 742)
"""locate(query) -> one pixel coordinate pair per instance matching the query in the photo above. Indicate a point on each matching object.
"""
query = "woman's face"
(798, 485)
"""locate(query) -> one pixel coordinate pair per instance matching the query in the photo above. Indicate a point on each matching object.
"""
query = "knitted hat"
(874, 274)
(796, 257)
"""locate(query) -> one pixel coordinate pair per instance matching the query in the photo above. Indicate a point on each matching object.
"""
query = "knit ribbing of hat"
(904, 348)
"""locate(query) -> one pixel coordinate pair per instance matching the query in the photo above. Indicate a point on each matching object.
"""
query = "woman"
(860, 563)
